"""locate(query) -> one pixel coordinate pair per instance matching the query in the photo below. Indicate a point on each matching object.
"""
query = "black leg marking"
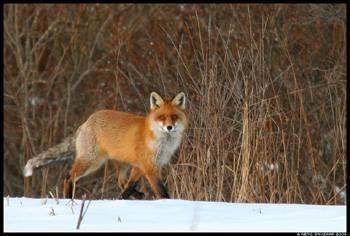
(162, 189)
(129, 190)
(70, 189)
(138, 195)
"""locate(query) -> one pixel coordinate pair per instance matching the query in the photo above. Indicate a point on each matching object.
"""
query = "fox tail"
(61, 152)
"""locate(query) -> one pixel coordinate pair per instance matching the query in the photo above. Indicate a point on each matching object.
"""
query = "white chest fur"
(164, 146)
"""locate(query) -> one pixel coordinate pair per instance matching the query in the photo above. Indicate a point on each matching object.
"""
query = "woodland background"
(266, 88)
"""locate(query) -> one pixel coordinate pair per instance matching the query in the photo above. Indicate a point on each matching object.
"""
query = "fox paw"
(138, 195)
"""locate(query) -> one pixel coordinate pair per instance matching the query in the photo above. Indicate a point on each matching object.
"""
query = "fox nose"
(169, 127)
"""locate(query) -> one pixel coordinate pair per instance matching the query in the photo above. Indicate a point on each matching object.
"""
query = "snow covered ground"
(34, 215)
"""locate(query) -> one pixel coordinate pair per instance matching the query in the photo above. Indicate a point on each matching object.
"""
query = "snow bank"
(34, 215)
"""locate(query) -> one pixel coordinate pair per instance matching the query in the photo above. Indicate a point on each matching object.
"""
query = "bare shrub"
(265, 83)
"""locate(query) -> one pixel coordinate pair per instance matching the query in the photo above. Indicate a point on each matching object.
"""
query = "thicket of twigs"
(266, 88)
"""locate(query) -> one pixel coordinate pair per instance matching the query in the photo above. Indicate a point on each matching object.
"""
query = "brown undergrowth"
(266, 87)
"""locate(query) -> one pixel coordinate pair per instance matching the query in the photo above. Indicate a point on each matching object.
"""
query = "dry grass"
(265, 85)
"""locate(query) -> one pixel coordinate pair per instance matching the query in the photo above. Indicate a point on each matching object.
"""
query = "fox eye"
(174, 117)
(161, 117)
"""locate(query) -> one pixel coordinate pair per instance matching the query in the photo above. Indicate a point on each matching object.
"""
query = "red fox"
(146, 143)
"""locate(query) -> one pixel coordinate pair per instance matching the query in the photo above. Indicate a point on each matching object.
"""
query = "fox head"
(167, 116)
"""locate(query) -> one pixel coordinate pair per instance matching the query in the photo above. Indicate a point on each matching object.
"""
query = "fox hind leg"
(122, 171)
(129, 189)
(79, 169)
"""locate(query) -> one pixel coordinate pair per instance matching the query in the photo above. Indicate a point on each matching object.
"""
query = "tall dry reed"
(265, 86)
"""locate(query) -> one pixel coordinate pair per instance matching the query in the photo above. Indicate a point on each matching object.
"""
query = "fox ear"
(156, 100)
(179, 100)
